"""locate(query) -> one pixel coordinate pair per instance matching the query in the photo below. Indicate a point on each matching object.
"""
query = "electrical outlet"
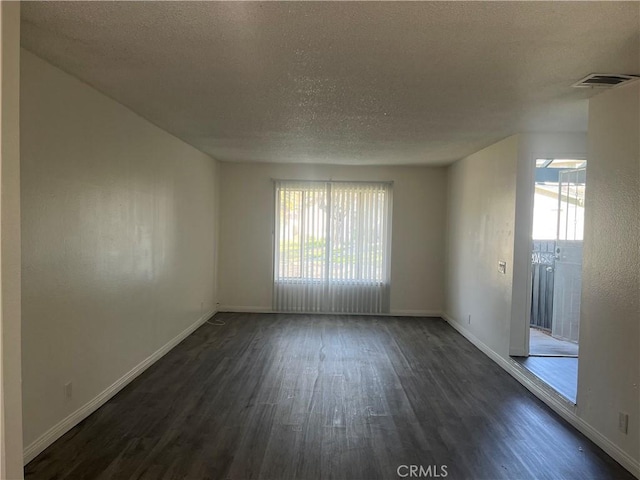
(502, 267)
(68, 390)
(469, 319)
(623, 422)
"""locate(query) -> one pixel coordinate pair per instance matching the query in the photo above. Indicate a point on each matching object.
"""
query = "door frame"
(11, 448)
(523, 244)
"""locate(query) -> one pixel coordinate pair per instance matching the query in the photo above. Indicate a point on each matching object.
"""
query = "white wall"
(118, 239)
(490, 218)
(247, 209)
(490, 196)
(481, 220)
(10, 372)
(609, 373)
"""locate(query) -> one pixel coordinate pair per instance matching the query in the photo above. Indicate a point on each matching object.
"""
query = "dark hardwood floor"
(308, 397)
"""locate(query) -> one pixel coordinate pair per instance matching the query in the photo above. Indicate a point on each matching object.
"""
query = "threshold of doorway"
(560, 373)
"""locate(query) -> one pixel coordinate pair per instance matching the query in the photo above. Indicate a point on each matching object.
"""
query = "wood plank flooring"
(309, 396)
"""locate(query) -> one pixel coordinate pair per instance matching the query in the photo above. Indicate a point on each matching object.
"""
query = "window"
(332, 242)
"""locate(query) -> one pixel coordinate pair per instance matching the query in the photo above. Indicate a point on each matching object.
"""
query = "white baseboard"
(393, 313)
(415, 313)
(556, 402)
(240, 309)
(62, 427)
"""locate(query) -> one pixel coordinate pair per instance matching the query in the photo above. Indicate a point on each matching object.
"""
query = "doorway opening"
(556, 273)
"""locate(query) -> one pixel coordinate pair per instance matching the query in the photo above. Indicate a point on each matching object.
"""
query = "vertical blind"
(332, 247)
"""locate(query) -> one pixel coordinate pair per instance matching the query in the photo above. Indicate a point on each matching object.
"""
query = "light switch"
(502, 267)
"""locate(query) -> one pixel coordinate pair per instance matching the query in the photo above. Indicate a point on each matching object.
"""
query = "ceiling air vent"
(604, 80)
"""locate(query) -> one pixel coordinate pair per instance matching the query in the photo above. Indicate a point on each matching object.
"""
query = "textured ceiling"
(357, 83)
